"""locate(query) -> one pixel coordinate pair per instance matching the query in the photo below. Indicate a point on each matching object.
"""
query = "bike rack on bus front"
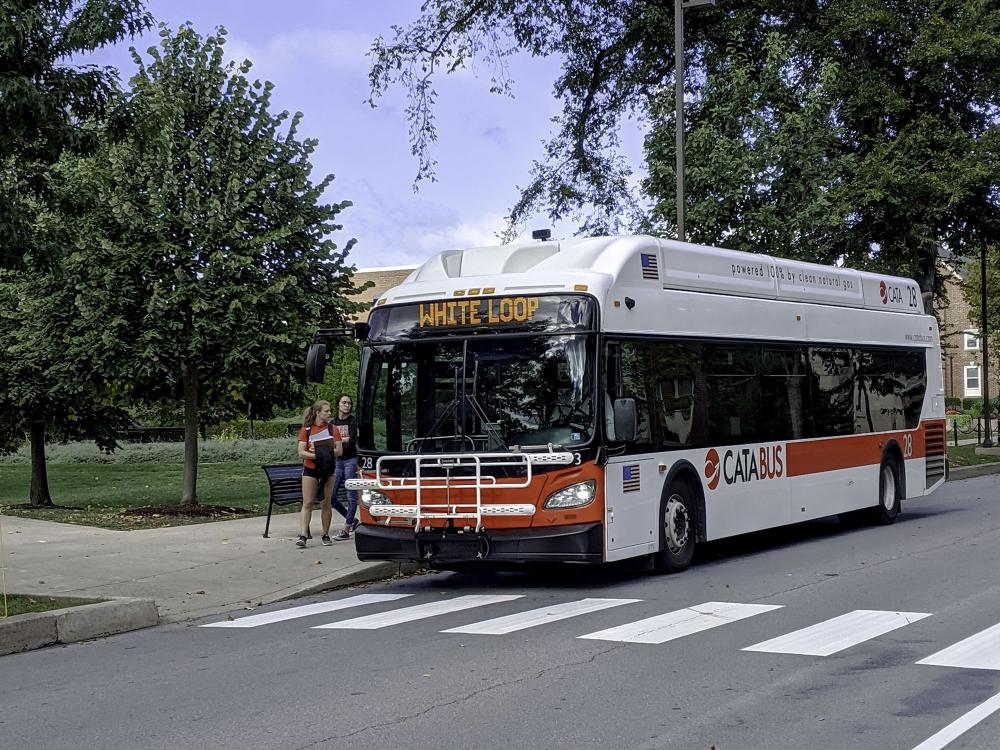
(449, 463)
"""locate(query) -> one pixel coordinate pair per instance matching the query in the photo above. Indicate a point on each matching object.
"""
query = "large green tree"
(51, 383)
(856, 129)
(45, 97)
(47, 108)
(214, 260)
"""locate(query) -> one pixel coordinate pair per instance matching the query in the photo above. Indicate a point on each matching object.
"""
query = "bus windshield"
(478, 394)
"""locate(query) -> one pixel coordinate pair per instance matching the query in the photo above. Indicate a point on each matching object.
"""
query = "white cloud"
(401, 230)
(394, 231)
(335, 51)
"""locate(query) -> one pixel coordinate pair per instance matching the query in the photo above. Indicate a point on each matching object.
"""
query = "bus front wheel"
(677, 529)
(889, 491)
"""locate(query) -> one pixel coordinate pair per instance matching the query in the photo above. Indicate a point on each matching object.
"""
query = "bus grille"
(934, 443)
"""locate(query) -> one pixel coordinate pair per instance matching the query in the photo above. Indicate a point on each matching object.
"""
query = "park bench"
(285, 486)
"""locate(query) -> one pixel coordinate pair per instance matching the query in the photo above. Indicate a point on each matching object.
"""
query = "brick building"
(960, 346)
(383, 280)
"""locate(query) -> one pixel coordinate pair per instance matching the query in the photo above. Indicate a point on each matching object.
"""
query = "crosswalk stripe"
(305, 610)
(682, 622)
(979, 651)
(420, 612)
(961, 725)
(830, 636)
(540, 616)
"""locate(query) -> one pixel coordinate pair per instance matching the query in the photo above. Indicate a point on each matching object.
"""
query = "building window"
(972, 387)
(971, 340)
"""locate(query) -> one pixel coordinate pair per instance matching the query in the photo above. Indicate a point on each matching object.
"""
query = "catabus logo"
(744, 465)
(894, 294)
(712, 469)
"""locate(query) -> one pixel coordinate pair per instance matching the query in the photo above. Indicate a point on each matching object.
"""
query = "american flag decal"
(630, 478)
(650, 269)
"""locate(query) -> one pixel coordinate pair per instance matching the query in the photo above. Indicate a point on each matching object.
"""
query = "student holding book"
(318, 449)
(345, 426)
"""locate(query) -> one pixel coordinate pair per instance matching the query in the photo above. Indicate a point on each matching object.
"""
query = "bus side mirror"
(361, 331)
(625, 422)
(316, 363)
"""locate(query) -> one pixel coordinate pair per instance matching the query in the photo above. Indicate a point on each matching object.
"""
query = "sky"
(315, 53)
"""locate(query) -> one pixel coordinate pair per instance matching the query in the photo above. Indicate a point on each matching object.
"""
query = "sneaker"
(326, 540)
(342, 535)
(354, 524)
(301, 541)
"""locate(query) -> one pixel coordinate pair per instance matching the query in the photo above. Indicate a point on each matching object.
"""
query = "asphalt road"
(727, 654)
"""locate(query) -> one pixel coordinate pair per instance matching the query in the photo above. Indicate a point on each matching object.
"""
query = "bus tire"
(890, 494)
(678, 528)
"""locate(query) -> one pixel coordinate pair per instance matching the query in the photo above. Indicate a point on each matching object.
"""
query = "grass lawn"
(98, 494)
(20, 604)
(965, 455)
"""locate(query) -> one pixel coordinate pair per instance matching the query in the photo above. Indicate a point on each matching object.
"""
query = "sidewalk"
(189, 571)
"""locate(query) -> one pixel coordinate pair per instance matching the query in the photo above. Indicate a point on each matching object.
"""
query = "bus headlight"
(575, 496)
(372, 497)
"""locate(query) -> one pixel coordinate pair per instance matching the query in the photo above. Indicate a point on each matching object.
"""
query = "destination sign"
(476, 315)
(474, 312)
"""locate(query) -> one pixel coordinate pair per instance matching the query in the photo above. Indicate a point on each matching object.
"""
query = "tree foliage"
(341, 377)
(52, 385)
(214, 260)
(47, 108)
(45, 99)
(48, 392)
(847, 129)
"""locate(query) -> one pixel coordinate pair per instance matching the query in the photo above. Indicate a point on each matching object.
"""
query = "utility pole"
(984, 345)
(679, 7)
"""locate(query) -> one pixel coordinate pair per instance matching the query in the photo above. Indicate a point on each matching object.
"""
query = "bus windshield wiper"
(489, 426)
(437, 423)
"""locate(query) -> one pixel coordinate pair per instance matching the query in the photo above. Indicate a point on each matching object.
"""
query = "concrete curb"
(968, 472)
(72, 624)
(369, 573)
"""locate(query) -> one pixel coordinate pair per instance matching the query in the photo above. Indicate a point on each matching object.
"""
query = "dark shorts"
(316, 473)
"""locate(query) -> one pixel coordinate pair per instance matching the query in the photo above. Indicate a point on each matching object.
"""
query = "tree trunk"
(40, 496)
(926, 278)
(189, 378)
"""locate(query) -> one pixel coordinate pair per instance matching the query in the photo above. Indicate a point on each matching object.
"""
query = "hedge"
(269, 451)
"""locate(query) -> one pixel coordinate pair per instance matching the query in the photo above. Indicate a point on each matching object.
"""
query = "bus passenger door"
(631, 481)
(631, 502)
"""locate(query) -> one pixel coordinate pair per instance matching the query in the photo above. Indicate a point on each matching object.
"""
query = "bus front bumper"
(574, 543)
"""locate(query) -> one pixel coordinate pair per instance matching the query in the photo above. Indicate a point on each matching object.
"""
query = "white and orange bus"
(599, 399)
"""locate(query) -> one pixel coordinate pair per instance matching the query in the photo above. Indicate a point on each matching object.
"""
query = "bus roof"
(639, 261)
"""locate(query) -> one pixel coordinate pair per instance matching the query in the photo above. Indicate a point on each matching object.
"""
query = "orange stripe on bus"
(832, 454)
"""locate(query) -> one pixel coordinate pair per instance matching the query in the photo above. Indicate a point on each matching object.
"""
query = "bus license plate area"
(445, 545)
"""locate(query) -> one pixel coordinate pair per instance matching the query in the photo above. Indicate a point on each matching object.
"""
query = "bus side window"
(734, 409)
(680, 395)
(878, 406)
(634, 381)
(784, 394)
(612, 386)
(832, 375)
(910, 371)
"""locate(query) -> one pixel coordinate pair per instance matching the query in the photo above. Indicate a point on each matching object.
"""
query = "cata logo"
(883, 292)
(742, 465)
(713, 468)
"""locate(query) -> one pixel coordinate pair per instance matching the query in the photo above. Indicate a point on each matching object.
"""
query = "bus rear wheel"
(889, 491)
(677, 529)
